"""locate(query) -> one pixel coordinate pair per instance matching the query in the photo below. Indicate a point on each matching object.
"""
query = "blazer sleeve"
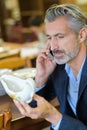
(69, 123)
(48, 91)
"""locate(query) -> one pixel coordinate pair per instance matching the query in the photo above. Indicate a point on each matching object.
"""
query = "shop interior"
(19, 48)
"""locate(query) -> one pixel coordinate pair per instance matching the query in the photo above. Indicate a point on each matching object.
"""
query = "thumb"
(36, 97)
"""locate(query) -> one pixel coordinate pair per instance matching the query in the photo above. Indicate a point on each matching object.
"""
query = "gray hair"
(77, 20)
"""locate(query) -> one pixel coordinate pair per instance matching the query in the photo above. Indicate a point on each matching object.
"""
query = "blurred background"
(22, 37)
(15, 15)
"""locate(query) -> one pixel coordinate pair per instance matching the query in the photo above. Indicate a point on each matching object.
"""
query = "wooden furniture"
(36, 7)
(18, 121)
(12, 58)
(13, 63)
(15, 48)
(10, 53)
(5, 120)
(2, 20)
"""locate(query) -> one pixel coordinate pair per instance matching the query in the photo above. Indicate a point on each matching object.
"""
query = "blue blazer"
(57, 85)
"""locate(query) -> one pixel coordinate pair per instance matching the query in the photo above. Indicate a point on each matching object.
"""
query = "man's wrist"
(53, 116)
(39, 81)
(57, 126)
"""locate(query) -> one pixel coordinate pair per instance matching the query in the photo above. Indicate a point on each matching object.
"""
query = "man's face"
(62, 40)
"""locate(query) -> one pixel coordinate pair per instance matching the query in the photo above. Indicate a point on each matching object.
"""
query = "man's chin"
(60, 62)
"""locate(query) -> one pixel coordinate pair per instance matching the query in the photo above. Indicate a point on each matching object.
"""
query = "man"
(65, 71)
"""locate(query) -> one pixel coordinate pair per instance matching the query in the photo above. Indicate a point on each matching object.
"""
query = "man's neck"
(77, 62)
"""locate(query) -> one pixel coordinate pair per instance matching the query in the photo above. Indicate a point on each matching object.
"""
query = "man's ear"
(83, 34)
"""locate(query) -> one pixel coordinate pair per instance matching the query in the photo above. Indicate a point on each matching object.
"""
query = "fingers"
(20, 107)
(47, 45)
(43, 53)
(38, 112)
(26, 110)
(46, 48)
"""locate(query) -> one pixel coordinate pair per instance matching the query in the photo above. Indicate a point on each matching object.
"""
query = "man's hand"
(43, 110)
(45, 66)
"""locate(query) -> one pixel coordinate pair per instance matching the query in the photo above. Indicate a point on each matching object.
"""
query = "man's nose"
(54, 43)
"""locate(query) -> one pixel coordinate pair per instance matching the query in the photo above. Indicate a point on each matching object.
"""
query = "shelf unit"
(36, 7)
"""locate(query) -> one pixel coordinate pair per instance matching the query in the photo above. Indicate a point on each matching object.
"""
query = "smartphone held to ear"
(50, 54)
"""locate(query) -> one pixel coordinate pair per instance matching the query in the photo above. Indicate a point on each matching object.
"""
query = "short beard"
(67, 56)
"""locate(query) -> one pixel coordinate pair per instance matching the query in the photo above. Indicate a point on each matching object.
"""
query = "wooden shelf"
(36, 7)
(29, 13)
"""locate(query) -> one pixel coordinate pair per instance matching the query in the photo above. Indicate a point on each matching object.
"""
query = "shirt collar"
(68, 69)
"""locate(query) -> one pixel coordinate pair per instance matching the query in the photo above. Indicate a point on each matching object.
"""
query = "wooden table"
(20, 122)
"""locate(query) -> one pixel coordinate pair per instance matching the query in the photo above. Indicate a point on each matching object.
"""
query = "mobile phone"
(50, 54)
(33, 104)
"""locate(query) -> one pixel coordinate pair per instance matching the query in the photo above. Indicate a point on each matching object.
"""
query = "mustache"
(60, 51)
(57, 51)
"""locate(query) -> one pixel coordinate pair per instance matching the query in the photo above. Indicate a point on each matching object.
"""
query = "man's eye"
(48, 38)
(61, 36)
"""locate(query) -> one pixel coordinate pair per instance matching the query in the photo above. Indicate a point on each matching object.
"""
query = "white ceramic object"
(18, 88)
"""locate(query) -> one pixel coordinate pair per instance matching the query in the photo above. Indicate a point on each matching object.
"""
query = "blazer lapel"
(62, 82)
(83, 81)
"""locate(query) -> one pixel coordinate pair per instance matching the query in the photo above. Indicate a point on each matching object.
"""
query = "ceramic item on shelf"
(25, 73)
